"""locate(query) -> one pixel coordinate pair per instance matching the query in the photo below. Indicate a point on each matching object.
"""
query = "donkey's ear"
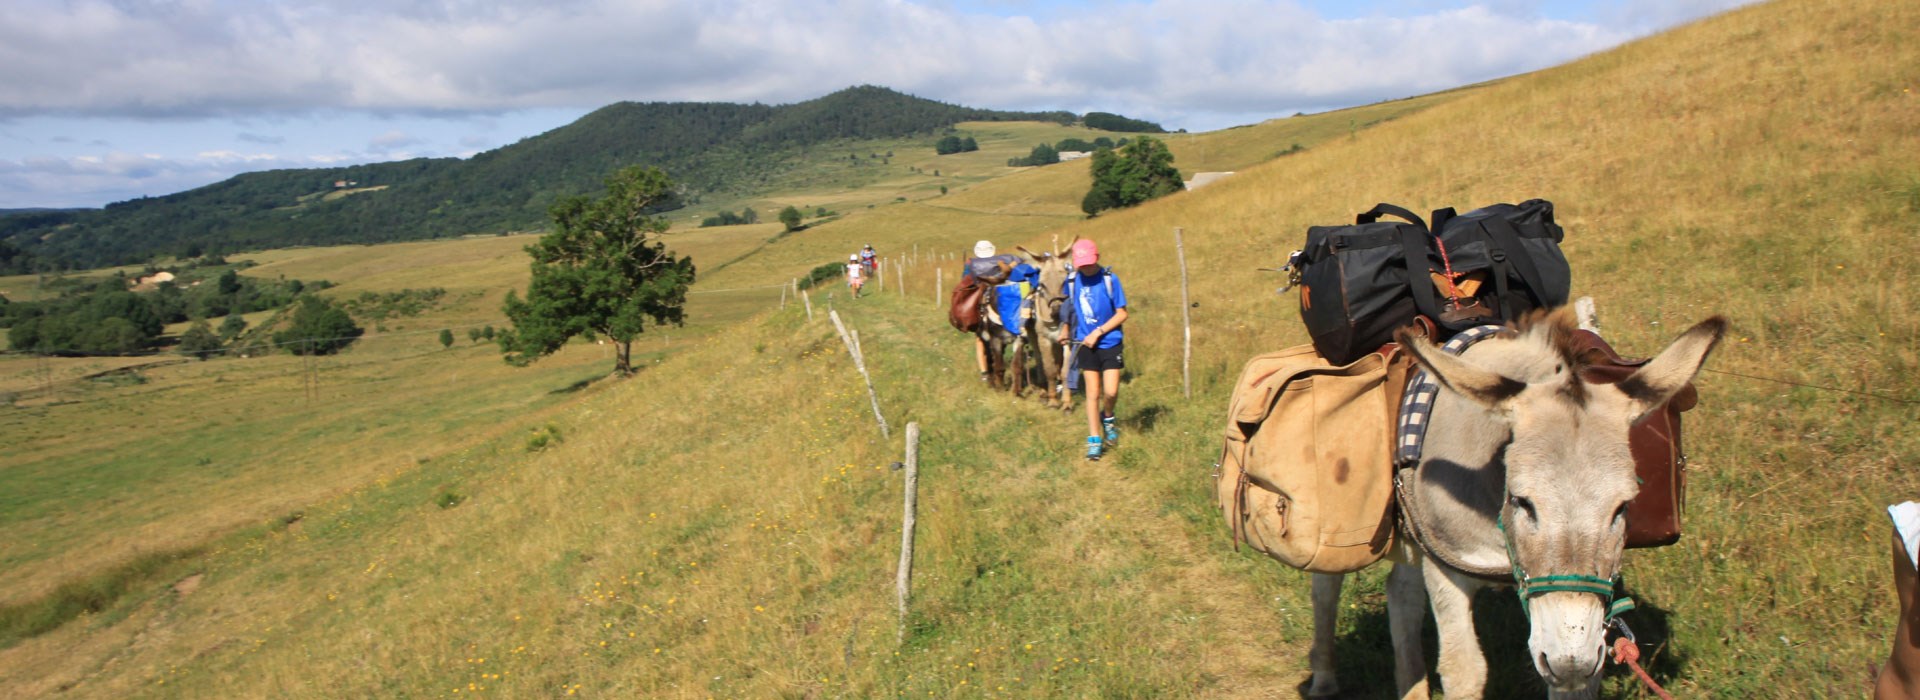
(1669, 372)
(1490, 389)
(1030, 254)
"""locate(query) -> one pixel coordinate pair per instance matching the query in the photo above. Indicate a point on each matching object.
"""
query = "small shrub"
(822, 273)
(448, 499)
(543, 437)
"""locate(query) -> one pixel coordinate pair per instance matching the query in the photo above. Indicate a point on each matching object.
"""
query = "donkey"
(1045, 328)
(1523, 482)
(998, 338)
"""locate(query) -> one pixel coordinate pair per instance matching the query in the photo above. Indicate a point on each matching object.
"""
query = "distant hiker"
(856, 275)
(870, 260)
(1098, 307)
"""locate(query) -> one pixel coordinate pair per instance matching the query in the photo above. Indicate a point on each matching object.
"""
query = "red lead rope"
(1626, 652)
(1453, 292)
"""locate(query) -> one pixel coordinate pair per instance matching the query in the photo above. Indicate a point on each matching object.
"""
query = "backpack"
(963, 309)
(1070, 290)
(1306, 472)
(1359, 283)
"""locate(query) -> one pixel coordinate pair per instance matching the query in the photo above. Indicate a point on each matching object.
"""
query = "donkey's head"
(1054, 269)
(1569, 471)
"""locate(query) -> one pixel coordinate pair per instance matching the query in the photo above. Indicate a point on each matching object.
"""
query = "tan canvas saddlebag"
(1307, 472)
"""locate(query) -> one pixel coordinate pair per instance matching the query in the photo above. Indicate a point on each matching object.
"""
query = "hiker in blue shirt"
(1098, 306)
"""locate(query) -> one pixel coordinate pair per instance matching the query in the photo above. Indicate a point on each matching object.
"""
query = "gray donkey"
(1045, 328)
(1524, 481)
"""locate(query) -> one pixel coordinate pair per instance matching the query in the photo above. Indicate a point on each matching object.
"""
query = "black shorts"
(1101, 359)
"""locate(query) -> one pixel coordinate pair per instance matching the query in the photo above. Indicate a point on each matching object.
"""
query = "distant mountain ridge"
(705, 146)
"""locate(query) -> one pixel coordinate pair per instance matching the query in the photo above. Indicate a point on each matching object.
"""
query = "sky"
(108, 100)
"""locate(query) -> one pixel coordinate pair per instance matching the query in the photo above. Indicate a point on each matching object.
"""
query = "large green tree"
(1139, 171)
(318, 328)
(602, 272)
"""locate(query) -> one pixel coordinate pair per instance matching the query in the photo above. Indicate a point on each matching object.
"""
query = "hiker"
(856, 275)
(1098, 306)
(869, 260)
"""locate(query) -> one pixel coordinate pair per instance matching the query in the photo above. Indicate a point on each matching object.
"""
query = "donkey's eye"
(1523, 504)
(1620, 514)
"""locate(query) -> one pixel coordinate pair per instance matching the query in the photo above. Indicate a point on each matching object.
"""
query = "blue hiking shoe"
(1112, 429)
(1094, 449)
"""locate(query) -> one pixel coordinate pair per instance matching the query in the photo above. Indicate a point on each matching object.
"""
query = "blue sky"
(106, 100)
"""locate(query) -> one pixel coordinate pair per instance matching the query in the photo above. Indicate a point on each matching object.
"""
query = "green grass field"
(406, 520)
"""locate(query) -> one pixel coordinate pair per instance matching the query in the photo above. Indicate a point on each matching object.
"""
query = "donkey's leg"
(996, 363)
(1326, 618)
(1407, 617)
(1019, 367)
(1463, 668)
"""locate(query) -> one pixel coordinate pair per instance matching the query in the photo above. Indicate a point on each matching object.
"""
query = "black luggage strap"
(1371, 215)
(1506, 239)
(1414, 243)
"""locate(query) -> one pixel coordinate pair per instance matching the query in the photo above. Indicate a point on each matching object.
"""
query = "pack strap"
(1506, 239)
(1371, 215)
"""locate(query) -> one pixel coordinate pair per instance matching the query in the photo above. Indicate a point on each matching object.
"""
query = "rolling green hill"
(709, 148)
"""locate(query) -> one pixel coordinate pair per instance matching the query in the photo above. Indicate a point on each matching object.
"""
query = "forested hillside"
(708, 148)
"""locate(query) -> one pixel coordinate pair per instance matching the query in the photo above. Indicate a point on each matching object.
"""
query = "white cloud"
(1190, 60)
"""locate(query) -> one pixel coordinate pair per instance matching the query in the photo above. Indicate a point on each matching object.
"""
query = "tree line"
(105, 317)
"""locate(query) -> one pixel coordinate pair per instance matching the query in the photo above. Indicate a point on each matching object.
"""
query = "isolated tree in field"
(791, 217)
(601, 272)
(446, 337)
(199, 341)
(1140, 171)
(232, 327)
(473, 334)
(319, 328)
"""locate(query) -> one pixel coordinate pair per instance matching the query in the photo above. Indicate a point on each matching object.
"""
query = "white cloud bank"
(1198, 64)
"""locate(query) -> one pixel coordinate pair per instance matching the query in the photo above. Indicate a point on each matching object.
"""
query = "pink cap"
(1085, 253)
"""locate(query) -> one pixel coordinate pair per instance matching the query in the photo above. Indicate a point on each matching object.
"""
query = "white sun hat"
(983, 249)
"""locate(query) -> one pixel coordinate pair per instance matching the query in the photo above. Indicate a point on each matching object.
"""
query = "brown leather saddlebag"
(1653, 517)
(964, 312)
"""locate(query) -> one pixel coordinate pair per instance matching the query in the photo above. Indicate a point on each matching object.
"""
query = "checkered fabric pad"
(1417, 407)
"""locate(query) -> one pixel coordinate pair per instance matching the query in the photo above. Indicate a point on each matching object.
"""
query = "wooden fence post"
(808, 298)
(1186, 318)
(903, 580)
(939, 280)
(860, 362)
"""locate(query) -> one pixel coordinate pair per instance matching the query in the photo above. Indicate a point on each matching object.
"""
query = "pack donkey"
(1044, 330)
(1523, 483)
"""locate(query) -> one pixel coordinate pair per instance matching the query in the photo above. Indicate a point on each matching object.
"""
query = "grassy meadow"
(406, 520)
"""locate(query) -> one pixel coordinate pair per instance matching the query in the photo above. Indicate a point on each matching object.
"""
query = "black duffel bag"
(1359, 283)
(1519, 248)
